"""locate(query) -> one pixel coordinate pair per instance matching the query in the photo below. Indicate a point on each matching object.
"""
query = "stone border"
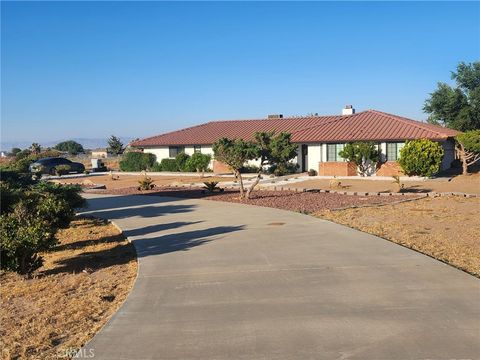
(361, 193)
(340, 192)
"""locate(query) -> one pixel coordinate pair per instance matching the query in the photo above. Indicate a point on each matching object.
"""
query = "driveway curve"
(228, 281)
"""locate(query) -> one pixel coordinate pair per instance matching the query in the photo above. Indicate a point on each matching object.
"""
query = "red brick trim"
(337, 169)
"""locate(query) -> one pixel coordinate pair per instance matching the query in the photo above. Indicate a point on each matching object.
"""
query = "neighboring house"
(319, 139)
(99, 153)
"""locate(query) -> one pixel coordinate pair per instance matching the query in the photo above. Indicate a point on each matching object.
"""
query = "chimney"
(275, 116)
(348, 110)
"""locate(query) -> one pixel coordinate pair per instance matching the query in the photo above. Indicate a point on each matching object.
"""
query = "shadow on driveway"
(122, 253)
(181, 241)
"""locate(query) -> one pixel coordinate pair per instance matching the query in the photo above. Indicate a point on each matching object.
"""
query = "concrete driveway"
(229, 281)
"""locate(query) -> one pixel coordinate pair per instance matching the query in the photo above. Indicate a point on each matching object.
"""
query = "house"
(99, 153)
(319, 139)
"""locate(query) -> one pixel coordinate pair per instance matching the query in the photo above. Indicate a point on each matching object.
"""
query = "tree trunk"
(239, 177)
(463, 158)
(255, 183)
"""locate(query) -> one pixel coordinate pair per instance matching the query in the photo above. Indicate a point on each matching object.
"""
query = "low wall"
(337, 169)
(389, 168)
(221, 168)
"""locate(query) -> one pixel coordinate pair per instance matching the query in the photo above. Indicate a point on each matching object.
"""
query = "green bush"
(421, 157)
(31, 213)
(168, 165)
(156, 167)
(22, 237)
(181, 160)
(282, 169)
(249, 169)
(363, 154)
(198, 162)
(137, 161)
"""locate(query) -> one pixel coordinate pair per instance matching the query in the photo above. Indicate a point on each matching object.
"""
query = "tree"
(115, 146)
(457, 107)
(274, 150)
(35, 148)
(468, 147)
(70, 146)
(235, 153)
(364, 154)
(15, 151)
(199, 162)
(421, 157)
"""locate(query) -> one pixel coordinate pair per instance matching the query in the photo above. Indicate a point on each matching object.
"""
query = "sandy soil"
(123, 181)
(468, 184)
(446, 228)
(82, 283)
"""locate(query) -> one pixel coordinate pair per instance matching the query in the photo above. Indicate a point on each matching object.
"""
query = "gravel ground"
(287, 200)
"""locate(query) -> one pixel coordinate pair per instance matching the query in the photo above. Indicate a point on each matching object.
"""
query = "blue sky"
(134, 69)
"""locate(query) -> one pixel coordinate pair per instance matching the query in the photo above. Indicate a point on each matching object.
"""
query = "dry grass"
(83, 282)
(467, 184)
(446, 228)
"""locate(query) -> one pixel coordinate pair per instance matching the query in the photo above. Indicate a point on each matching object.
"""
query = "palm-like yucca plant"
(146, 183)
(211, 187)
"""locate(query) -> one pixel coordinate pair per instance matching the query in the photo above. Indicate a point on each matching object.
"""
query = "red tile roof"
(366, 125)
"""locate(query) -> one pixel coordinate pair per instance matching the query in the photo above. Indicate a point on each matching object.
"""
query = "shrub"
(146, 183)
(62, 169)
(198, 162)
(181, 160)
(421, 157)
(136, 161)
(211, 186)
(156, 167)
(22, 237)
(31, 214)
(312, 172)
(282, 169)
(169, 165)
(249, 169)
(363, 154)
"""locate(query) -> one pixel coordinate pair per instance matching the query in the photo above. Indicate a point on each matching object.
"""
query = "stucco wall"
(160, 152)
(314, 156)
(449, 156)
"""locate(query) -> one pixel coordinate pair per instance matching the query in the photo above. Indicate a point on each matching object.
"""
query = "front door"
(304, 158)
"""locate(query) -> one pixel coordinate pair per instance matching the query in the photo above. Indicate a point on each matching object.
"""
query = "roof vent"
(275, 116)
(348, 110)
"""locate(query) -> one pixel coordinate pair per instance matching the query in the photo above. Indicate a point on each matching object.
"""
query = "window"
(393, 151)
(332, 152)
(197, 149)
(175, 150)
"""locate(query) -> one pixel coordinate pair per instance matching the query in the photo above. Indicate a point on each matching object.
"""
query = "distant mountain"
(87, 143)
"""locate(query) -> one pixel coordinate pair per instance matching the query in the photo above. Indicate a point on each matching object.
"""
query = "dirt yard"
(82, 283)
(446, 228)
(125, 181)
(468, 184)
